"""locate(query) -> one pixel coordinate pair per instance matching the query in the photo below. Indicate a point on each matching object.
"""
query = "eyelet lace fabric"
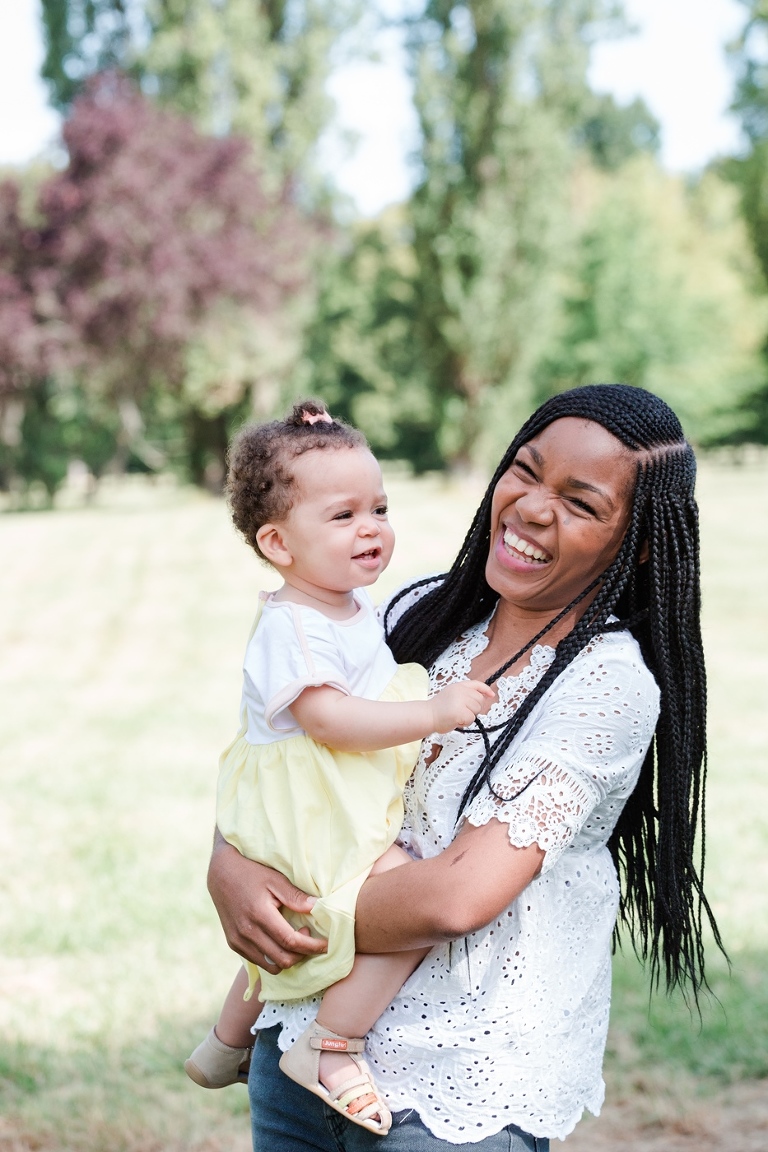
(508, 1025)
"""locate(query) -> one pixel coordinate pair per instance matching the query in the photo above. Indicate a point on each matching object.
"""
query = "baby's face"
(337, 531)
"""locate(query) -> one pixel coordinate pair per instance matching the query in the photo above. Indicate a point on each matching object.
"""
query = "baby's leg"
(238, 1016)
(223, 1056)
(352, 1006)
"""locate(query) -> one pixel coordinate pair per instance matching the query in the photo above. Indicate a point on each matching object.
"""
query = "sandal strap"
(370, 1112)
(336, 1044)
(360, 1091)
(363, 1082)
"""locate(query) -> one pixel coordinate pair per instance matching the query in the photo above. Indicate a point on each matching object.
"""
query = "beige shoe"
(358, 1098)
(214, 1064)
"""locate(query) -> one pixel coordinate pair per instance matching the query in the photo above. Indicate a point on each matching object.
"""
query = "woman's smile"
(521, 551)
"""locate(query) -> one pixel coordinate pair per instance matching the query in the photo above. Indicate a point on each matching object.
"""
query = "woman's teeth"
(523, 547)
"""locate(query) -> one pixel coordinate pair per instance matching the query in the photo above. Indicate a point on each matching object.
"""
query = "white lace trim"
(550, 817)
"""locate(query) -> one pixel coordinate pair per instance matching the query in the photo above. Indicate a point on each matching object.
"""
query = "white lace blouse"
(508, 1025)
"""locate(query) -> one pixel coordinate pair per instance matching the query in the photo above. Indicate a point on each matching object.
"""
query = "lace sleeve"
(578, 755)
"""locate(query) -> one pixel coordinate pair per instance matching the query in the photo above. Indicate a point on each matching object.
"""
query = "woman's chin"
(516, 578)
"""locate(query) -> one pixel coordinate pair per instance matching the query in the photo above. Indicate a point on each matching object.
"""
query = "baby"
(312, 784)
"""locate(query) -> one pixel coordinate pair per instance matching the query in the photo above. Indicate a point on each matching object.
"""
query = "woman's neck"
(511, 628)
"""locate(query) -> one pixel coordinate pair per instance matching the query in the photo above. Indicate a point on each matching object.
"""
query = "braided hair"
(261, 485)
(653, 845)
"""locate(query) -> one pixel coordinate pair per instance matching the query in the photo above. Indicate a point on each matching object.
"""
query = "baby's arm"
(352, 724)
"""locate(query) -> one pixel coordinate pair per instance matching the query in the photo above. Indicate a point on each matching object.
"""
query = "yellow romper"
(319, 816)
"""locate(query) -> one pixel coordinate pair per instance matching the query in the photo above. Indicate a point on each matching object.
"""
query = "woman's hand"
(248, 898)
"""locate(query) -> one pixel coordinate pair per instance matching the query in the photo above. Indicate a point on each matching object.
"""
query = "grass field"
(121, 633)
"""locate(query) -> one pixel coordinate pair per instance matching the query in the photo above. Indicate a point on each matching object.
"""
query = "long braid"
(663, 906)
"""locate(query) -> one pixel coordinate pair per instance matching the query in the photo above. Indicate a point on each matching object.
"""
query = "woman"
(591, 758)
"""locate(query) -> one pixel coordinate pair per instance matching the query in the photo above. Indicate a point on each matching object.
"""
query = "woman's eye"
(523, 467)
(582, 504)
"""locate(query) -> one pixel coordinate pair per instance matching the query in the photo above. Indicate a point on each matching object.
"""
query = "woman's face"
(559, 514)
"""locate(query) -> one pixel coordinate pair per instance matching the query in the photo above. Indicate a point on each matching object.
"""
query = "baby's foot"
(214, 1064)
(328, 1065)
(335, 1068)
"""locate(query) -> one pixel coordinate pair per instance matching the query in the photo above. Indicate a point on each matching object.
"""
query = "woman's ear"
(644, 553)
(273, 546)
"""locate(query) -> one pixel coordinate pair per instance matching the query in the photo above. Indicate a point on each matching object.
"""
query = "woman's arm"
(420, 904)
(352, 724)
(448, 896)
(248, 898)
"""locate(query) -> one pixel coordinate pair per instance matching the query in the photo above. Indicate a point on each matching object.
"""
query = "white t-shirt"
(508, 1025)
(297, 647)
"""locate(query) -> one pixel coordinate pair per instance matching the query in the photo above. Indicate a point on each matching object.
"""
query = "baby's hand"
(456, 705)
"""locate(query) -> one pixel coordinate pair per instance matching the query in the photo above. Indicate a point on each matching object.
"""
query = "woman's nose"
(535, 507)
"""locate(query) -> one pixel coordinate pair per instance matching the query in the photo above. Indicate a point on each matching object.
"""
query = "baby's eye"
(343, 515)
(382, 510)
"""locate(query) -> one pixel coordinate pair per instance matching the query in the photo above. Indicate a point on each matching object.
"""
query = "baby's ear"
(273, 547)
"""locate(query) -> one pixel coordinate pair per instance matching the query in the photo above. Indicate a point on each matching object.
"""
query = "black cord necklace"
(485, 730)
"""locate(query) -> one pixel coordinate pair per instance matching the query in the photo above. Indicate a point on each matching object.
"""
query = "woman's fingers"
(248, 898)
(275, 938)
(285, 957)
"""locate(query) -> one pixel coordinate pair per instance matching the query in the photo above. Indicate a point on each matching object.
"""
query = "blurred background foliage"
(190, 266)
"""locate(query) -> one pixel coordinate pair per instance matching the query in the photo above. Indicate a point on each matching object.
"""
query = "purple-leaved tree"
(147, 231)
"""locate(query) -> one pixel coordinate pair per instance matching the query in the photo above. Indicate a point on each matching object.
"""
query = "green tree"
(359, 352)
(83, 37)
(255, 68)
(251, 67)
(500, 89)
(750, 174)
(662, 294)
(750, 171)
(58, 422)
(612, 133)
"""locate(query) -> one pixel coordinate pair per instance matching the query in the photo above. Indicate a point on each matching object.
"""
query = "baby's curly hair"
(261, 486)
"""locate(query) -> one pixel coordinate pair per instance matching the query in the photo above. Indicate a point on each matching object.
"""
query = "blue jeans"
(287, 1118)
